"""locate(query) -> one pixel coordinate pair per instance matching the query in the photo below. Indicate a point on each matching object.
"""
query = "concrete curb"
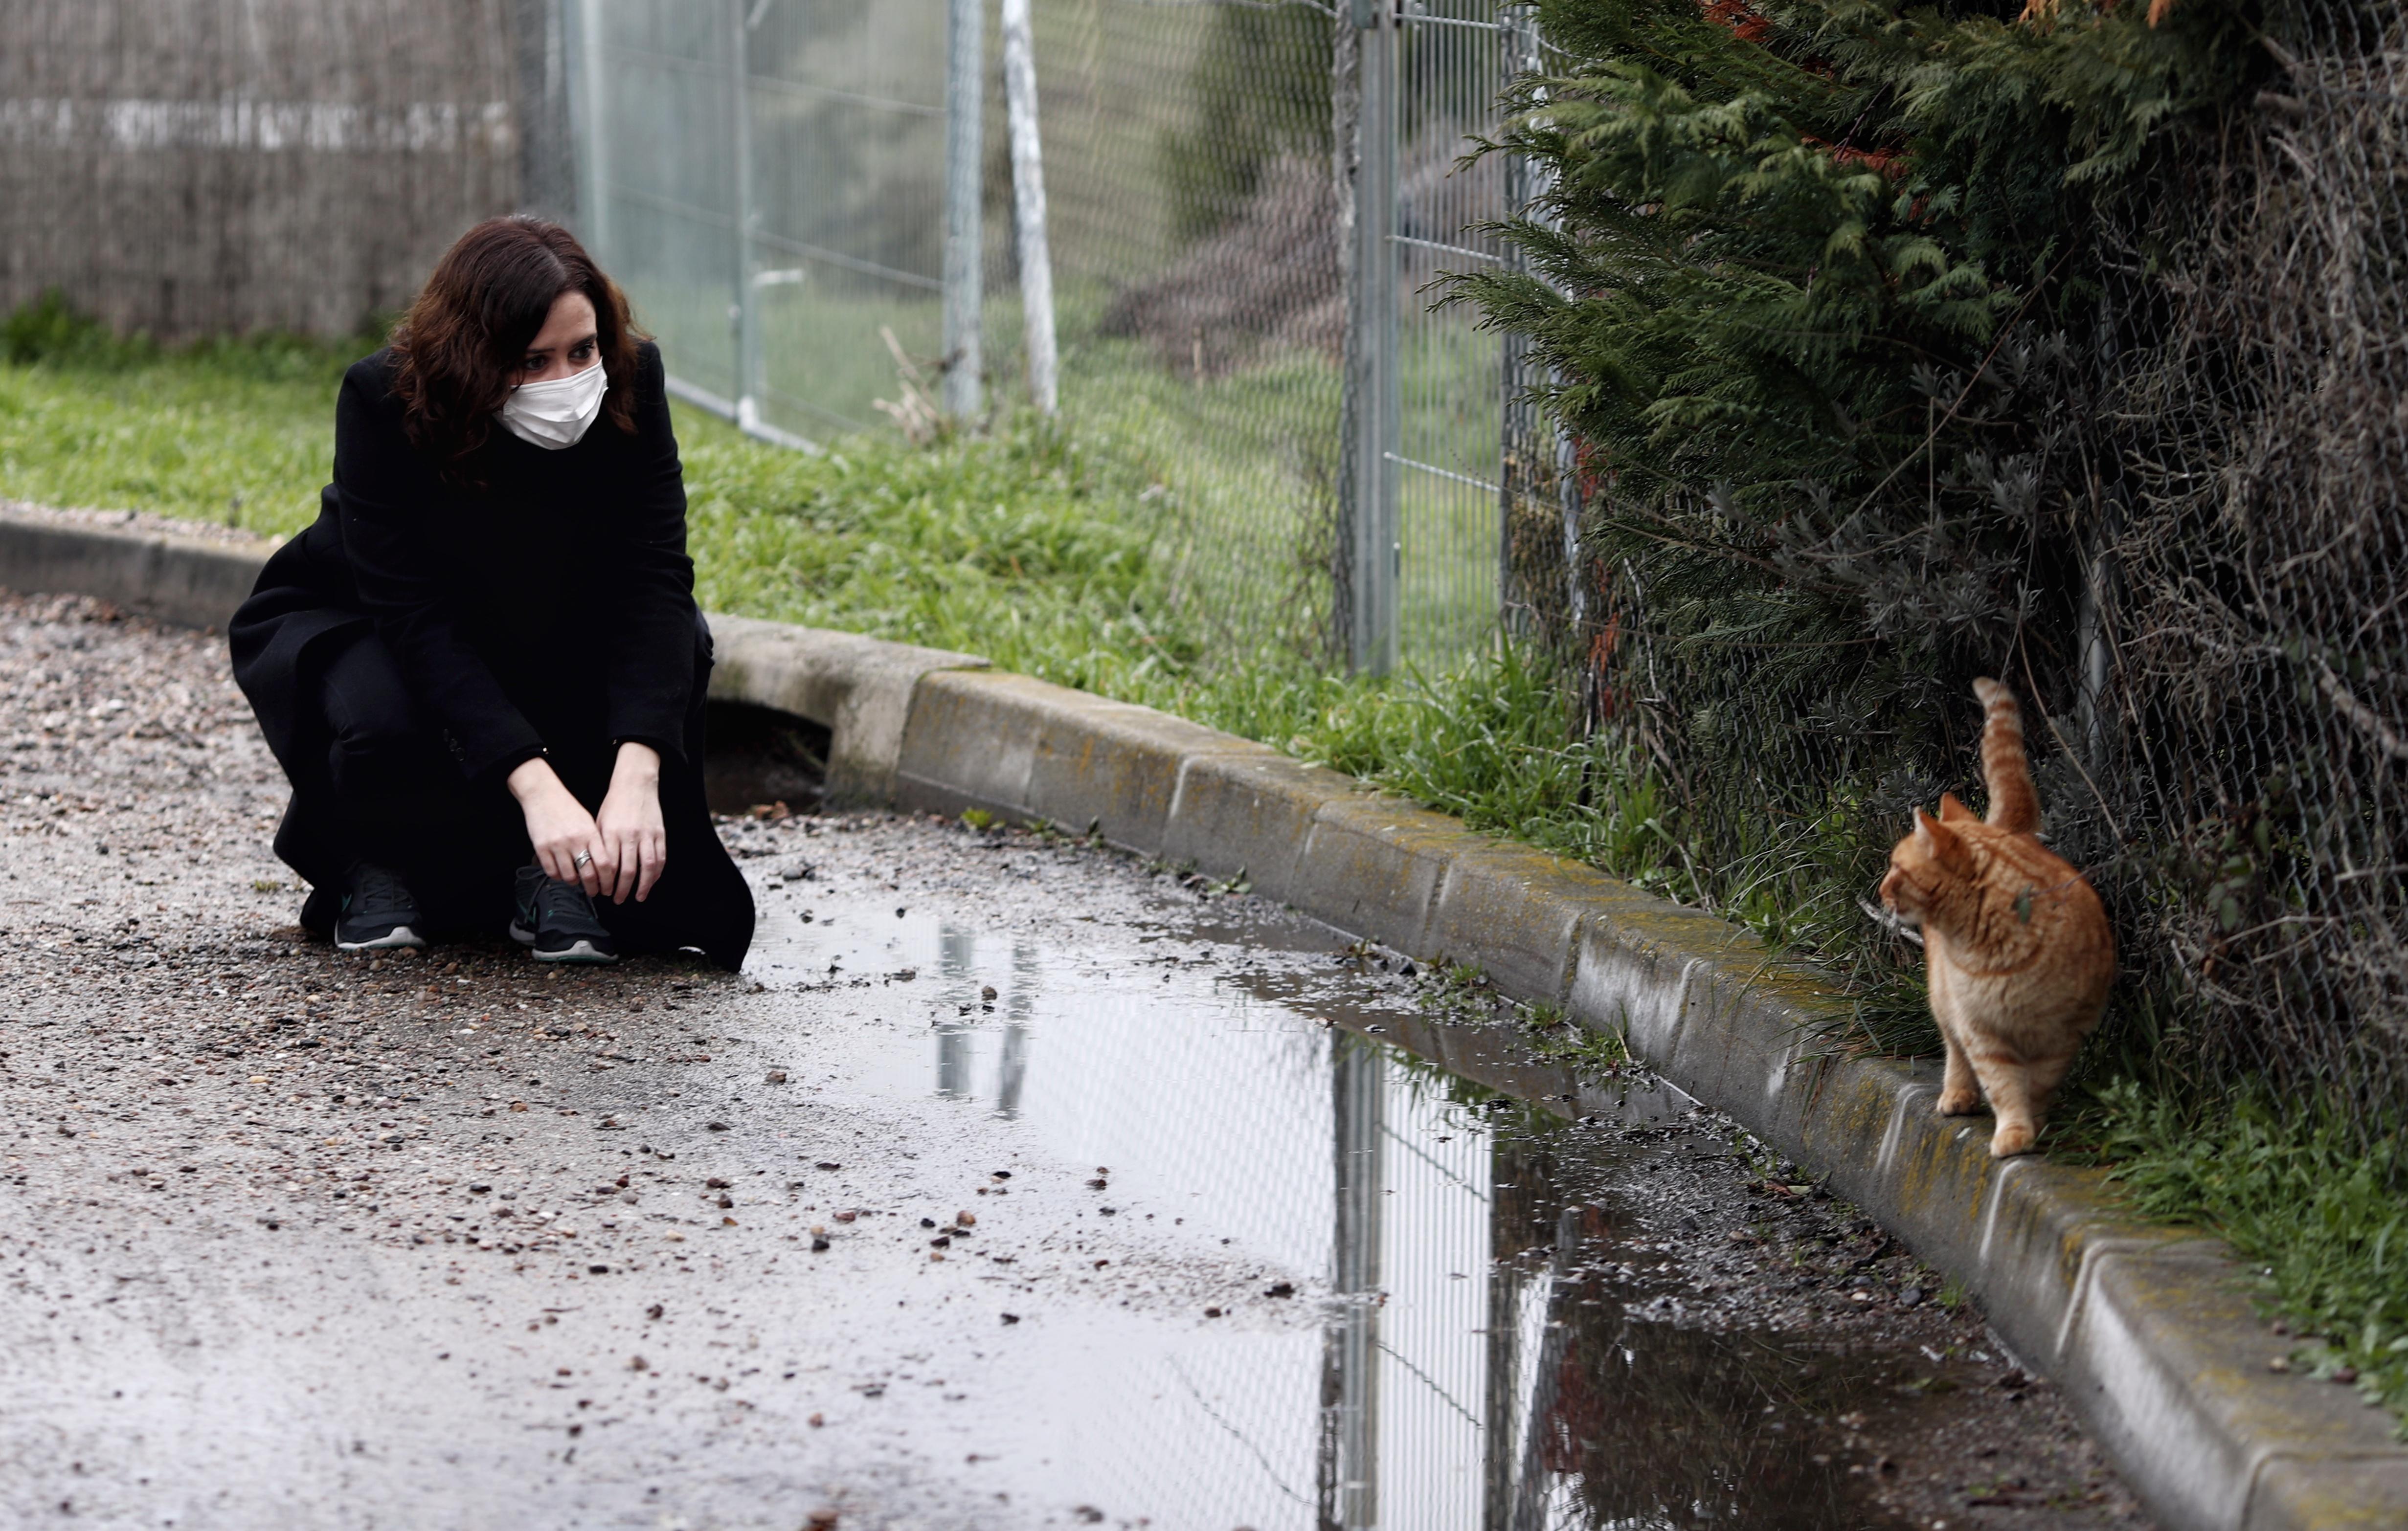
(189, 581)
(2150, 1331)
(858, 687)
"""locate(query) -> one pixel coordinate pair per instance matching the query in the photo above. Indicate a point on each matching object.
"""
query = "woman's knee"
(366, 705)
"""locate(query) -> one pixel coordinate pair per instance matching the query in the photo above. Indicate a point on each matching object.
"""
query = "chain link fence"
(1246, 201)
(2241, 700)
(2177, 533)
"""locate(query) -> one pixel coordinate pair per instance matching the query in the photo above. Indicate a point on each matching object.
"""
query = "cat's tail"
(2013, 804)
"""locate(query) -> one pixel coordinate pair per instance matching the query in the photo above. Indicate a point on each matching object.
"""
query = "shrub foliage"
(1831, 294)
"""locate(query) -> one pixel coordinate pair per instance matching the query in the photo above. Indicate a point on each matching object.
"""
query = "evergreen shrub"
(1827, 293)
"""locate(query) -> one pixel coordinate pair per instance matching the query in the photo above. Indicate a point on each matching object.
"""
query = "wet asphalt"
(1015, 1183)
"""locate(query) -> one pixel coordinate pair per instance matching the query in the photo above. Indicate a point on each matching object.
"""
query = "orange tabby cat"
(2015, 945)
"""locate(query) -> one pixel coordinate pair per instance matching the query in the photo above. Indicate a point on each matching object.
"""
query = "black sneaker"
(319, 911)
(377, 913)
(555, 921)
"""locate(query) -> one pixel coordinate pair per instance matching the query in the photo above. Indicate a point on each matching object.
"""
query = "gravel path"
(449, 1241)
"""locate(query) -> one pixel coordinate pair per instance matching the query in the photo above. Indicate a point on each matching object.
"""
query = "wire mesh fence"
(2174, 529)
(1246, 203)
(2241, 700)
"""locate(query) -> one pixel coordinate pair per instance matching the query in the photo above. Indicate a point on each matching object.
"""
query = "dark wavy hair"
(489, 294)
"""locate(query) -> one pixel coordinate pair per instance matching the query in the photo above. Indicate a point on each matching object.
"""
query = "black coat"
(550, 611)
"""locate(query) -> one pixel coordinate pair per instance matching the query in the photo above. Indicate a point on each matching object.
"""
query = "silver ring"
(582, 858)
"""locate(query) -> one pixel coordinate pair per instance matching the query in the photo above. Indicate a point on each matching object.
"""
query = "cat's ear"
(1939, 841)
(1951, 810)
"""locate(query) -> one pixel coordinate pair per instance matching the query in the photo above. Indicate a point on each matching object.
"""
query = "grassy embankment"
(1035, 547)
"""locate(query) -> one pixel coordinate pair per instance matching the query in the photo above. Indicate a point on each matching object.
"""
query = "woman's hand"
(635, 845)
(559, 825)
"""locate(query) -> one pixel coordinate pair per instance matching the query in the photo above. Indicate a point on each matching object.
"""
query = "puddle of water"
(1490, 1348)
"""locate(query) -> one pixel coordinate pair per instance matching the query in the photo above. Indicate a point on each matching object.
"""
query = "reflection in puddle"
(1492, 1350)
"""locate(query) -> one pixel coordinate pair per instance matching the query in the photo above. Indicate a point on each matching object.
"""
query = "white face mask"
(558, 413)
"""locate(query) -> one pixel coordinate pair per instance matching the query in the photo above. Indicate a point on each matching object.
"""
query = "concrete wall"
(189, 166)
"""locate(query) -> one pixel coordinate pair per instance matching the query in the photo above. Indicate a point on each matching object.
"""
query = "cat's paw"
(1959, 1102)
(2013, 1137)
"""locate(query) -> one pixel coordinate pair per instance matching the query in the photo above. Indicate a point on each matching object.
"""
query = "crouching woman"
(482, 667)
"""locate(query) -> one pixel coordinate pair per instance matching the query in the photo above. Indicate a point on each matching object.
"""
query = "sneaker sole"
(396, 939)
(580, 951)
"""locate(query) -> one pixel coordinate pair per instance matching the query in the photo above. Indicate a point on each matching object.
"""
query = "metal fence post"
(1028, 204)
(1345, 165)
(1375, 550)
(964, 118)
(1350, 1465)
(588, 101)
(1519, 457)
(1537, 184)
(1538, 457)
(741, 313)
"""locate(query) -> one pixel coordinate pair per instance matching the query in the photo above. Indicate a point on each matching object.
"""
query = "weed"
(1454, 991)
(2315, 1215)
(1556, 1036)
(1584, 1050)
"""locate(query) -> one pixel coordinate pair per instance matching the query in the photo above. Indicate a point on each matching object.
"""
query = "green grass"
(2319, 1218)
(1026, 546)
(230, 431)
(1061, 553)
(1242, 457)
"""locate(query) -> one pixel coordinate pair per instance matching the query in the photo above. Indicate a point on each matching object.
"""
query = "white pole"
(1028, 204)
(964, 118)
